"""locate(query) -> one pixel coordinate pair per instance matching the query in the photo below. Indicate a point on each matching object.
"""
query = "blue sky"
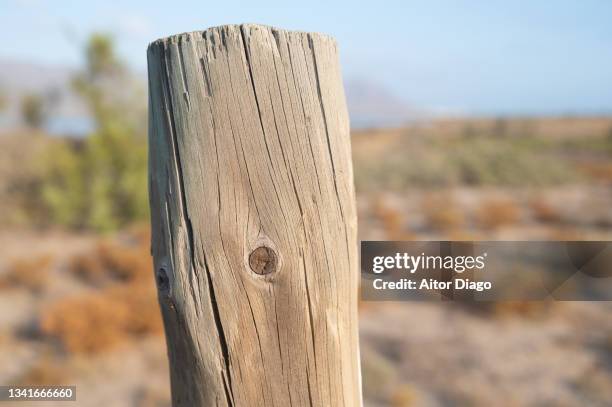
(474, 57)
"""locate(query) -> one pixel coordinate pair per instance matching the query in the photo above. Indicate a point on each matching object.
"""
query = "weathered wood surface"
(253, 217)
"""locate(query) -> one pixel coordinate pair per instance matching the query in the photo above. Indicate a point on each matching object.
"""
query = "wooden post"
(253, 218)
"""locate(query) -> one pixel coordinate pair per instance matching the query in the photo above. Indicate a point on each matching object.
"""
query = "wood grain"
(253, 217)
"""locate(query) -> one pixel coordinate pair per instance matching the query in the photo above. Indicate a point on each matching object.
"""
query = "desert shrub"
(124, 262)
(101, 182)
(139, 234)
(403, 396)
(496, 213)
(31, 274)
(525, 309)
(512, 289)
(151, 397)
(63, 189)
(46, 371)
(114, 261)
(607, 342)
(594, 386)
(391, 219)
(597, 170)
(507, 162)
(33, 110)
(441, 213)
(566, 233)
(21, 172)
(379, 375)
(99, 321)
(88, 267)
(101, 185)
(544, 211)
(141, 298)
(464, 235)
(124, 308)
(87, 323)
(476, 158)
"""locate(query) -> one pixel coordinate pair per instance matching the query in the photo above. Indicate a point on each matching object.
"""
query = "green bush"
(100, 182)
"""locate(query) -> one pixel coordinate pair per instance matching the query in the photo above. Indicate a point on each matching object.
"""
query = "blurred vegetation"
(494, 156)
(33, 110)
(100, 182)
(122, 307)
(3, 101)
(29, 273)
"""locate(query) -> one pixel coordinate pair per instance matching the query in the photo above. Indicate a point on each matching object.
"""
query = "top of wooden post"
(245, 29)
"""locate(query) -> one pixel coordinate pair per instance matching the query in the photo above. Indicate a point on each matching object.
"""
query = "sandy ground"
(413, 354)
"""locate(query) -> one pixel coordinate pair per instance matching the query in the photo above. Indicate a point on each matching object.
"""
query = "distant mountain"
(52, 83)
(372, 105)
(369, 104)
(21, 77)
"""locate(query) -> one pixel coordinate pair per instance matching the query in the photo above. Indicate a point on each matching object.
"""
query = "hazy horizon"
(446, 58)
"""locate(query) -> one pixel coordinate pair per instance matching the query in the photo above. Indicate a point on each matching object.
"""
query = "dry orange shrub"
(141, 299)
(152, 397)
(88, 267)
(566, 233)
(513, 308)
(441, 213)
(126, 308)
(140, 235)
(496, 213)
(463, 235)
(95, 322)
(526, 309)
(31, 274)
(44, 372)
(115, 261)
(544, 212)
(392, 220)
(403, 396)
(597, 170)
(125, 263)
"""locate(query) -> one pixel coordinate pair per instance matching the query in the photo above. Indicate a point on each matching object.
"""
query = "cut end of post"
(221, 30)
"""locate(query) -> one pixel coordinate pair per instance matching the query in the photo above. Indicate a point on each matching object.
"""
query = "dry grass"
(495, 213)
(31, 274)
(96, 322)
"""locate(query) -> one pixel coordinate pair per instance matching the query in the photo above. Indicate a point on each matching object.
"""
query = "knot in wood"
(263, 260)
(163, 281)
